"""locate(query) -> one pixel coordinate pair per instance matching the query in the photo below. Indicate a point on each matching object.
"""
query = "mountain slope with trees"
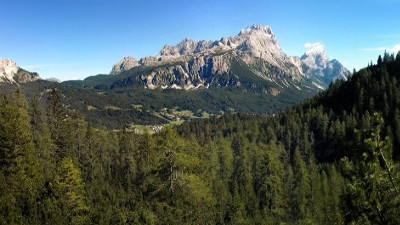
(247, 73)
(330, 160)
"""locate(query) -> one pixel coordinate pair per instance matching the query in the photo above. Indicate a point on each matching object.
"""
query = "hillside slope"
(329, 160)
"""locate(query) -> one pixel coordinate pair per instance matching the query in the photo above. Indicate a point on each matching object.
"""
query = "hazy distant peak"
(314, 49)
(317, 63)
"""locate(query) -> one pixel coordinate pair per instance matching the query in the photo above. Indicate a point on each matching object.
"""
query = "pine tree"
(41, 138)
(145, 162)
(241, 181)
(19, 174)
(89, 155)
(301, 189)
(371, 195)
(271, 187)
(126, 161)
(379, 60)
(71, 192)
(168, 145)
(57, 118)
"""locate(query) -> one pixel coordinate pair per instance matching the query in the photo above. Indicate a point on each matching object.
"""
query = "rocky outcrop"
(192, 74)
(11, 73)
(24, 76)
(8, 69)
(126, 63)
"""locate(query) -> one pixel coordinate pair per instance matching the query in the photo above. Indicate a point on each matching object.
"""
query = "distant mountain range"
(194, 64)
(246, 73)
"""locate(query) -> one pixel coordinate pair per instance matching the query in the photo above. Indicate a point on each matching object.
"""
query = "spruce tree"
(19, 173)
(71, 193)
(371, 195)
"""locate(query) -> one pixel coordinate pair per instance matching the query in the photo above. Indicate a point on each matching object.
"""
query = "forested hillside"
(331, 160)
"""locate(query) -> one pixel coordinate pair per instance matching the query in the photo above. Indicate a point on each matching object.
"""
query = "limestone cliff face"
(197, 72)
(11, 73)
(8, 69)
(126, 63)
(317, 64)
(192, 64)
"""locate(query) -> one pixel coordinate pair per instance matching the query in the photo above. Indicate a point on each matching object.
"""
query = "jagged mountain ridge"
(247, 73)
(316, 63)
(200, 63)
(11, 73)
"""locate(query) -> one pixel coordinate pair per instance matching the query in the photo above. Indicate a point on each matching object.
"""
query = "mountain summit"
(8, 69)
(125, 64)
(246, 73)
(316, 63)
(191, 64)
(11, 73)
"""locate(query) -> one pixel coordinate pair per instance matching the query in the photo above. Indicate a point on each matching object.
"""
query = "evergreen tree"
(71, 191)
(379, 60)
(301, 190)
(57, 118)
(126, 161)
(371, 195)
(19, 174)
(41, 138)
(271, 188)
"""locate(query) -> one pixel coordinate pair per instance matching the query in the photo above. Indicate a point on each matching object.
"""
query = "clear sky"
(71, 39)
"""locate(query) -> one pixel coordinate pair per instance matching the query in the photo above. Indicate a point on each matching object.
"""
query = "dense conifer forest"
(333, 159)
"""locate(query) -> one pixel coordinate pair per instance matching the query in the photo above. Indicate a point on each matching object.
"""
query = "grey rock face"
(126, 63)
(8, 69)
(11, 73)
(193, 64)
(317, 64)
(191, 74)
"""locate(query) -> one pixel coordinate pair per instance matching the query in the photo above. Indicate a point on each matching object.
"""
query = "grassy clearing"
(205, 115)
(112, 107)
(173, 123)
(141, 129)
(138, 107)
(89, 107)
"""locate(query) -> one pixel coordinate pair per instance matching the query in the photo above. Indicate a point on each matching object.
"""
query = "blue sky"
(70, 39)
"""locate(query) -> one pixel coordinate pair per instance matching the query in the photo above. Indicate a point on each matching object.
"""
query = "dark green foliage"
(371, 194)
(330, 160)
(70, 191)
(19, 173)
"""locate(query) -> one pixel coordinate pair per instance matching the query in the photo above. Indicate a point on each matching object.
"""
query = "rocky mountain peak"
(258, 33)
(319, 60)
(252, 39)
(257, 30)
(191, 64)
(317, 63)
(185, 47)
(8, 69)
(124, 64)
(11, 73)
(259, 41)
